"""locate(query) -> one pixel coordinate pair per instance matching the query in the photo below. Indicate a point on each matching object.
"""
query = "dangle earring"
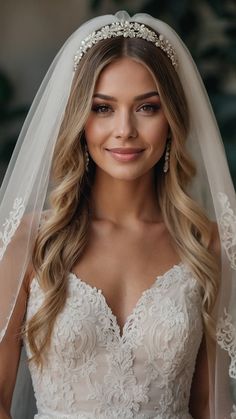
(167, 155)
(87, 158)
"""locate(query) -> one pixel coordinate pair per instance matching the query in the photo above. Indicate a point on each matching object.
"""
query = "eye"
(150, 107)
(101, 108)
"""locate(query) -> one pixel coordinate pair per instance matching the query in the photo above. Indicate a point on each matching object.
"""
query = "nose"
(125, 126)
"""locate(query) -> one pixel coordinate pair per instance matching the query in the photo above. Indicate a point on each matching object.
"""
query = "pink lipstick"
(125, 154)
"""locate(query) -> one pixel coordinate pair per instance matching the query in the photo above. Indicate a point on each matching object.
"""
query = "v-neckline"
(122, 330)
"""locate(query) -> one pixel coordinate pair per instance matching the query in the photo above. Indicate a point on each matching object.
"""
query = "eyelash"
(151, 106)
(98, 108)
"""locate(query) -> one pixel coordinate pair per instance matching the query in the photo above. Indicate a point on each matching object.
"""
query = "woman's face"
(126, 130)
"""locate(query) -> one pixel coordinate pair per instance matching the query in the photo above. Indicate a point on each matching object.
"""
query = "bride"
(117, 252)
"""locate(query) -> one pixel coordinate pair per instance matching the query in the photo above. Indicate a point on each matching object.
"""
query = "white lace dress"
(93, 372)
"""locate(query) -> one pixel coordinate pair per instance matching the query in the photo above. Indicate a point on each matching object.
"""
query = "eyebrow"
(139, 97)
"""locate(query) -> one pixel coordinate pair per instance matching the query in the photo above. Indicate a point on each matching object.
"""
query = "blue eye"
(101, 108)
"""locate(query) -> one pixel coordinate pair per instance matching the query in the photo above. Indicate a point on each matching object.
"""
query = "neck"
(124, 201)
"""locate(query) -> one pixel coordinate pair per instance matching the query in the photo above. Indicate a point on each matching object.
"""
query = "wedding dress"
(94, 370)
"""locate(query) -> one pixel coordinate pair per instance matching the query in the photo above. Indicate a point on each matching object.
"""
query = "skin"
(125, 209)
(128, 243)
(127, 224)
(126, 122)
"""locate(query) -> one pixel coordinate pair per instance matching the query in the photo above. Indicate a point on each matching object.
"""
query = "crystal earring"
(167, 156)
(87, 158)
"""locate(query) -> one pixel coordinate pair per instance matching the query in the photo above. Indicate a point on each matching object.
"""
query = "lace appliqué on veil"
(10, 225)
(226, 332)
(228, 227)
(226, 338)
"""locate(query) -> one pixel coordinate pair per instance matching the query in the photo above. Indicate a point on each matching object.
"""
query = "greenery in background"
(208, 28)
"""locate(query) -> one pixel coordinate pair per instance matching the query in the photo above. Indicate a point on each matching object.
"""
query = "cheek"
(156, 132)
(95, 130)
(90, 130)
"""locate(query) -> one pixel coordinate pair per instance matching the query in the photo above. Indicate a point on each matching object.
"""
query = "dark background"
(32, 32)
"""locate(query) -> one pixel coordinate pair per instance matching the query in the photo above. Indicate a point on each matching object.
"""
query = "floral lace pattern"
(228, 225)
(10, 225)
(92, 370)
(226, 331)
(226, 338)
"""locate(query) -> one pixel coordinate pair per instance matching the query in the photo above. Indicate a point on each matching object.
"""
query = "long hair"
(63, 236)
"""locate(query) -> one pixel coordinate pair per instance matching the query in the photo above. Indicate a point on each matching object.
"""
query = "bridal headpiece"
(127, 30)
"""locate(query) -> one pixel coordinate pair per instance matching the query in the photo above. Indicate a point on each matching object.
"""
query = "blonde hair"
(64, 235)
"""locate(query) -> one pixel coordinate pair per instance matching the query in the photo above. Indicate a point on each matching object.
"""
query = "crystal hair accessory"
(127, 30)
(86, 158)
(167, 156)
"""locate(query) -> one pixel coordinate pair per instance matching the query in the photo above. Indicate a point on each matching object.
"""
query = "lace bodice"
(93, 372)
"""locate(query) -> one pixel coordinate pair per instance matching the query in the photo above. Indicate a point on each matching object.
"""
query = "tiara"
(127, 30)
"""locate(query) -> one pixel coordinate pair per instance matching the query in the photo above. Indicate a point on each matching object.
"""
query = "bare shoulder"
(30, 221)
(45, 216)
(29, 275)
(214, 245)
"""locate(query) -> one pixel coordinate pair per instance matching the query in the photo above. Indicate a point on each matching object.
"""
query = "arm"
(10, 349)
(199, 396)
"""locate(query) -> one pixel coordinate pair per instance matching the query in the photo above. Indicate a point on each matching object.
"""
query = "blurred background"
(32, 31)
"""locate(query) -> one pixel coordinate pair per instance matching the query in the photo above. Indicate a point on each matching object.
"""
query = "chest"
(149, 365)
(167, 315)
(123, 264)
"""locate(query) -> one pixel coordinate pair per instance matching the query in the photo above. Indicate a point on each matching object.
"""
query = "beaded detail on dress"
(92, 371)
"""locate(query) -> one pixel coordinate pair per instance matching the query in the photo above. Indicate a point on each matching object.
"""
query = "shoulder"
(30, 222)
(214, 245)
(44, 217)
(29, 275)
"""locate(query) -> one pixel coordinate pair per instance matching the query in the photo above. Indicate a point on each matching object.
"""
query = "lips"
(125, 154)
(125, 150)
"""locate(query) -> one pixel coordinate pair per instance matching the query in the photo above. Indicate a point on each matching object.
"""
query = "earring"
(87, 158)
(167, 156)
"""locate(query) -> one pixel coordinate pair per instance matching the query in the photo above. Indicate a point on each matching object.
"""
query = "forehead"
(125, 75)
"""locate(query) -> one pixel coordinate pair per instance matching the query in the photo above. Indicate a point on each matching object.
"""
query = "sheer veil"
(25, 188)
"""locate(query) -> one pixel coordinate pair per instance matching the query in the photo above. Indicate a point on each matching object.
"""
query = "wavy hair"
(63, 236)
